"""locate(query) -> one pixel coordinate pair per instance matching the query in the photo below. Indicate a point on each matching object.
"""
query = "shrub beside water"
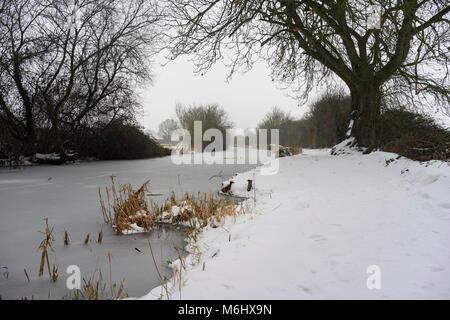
(407, 133)
(413, 135)
(119, 140)
(125, 142)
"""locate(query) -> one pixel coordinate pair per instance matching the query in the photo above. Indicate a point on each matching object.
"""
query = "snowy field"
(321, 222)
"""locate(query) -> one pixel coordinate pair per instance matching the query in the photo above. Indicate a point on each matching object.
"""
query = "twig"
(157, 270)
(26, 274)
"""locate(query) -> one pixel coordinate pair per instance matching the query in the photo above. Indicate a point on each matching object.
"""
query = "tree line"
(69, 70)
(326, 123)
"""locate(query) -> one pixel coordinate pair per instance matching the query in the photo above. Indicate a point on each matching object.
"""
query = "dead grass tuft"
(95, 287)
(205, 209)
(127, 206)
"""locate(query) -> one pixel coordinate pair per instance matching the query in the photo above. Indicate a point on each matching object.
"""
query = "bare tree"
(275, 119)
(312, 42)
(68, 62)
(166, 128)
(211, 116)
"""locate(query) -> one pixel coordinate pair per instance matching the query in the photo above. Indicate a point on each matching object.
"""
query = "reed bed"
(125, 207)
(201, 210)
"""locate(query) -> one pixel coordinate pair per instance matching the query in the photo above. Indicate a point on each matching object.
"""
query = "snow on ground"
(321, 222)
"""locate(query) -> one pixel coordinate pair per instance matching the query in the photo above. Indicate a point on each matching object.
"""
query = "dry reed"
(127, 207)
(95, 287)
(161, 279)
(201, 210)
(100, 237)
(44, 246)
(86, 241)
(66, 238)
(54, 274)
(26, 274)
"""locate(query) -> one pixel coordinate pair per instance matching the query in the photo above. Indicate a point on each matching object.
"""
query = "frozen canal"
(68, 196)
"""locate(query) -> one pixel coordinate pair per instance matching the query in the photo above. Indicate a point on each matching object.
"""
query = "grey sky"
(246, 97)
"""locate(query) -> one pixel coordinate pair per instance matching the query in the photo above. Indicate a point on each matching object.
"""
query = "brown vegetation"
(127, 207)
(45, 246)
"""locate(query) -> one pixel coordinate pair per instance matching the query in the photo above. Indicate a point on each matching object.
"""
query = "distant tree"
(328, 118)
(324, 125)
(275, 119)
(212, 116)
(292, 133)
(166, 128)
(151, 133)
(316, 42)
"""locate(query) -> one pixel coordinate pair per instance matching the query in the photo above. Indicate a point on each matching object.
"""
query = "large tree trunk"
(57, 141)
(29, 137)
(366, 107)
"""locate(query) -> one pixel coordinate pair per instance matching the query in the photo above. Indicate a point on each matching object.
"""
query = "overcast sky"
(246, 97)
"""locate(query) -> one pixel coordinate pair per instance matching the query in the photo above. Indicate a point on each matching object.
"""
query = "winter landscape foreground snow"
(319, 229)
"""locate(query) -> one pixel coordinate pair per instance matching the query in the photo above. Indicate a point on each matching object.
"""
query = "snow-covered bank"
(320, 223)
